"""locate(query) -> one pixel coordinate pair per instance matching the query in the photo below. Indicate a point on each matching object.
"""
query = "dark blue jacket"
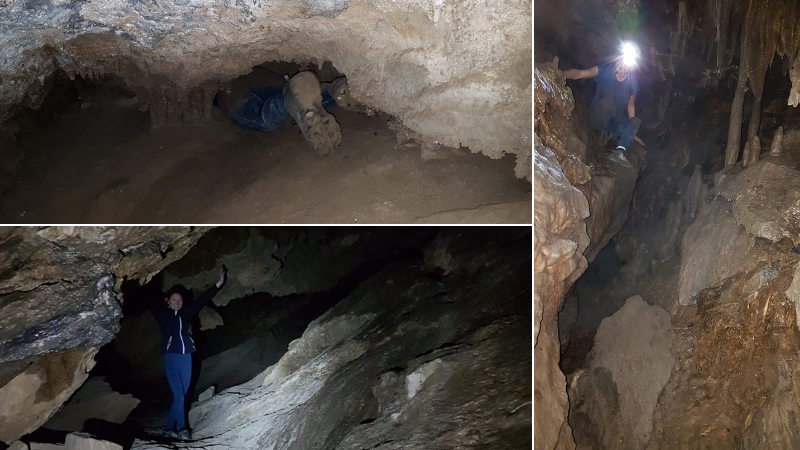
(174, 324)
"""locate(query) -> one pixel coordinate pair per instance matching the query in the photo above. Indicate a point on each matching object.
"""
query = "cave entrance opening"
(106, 150)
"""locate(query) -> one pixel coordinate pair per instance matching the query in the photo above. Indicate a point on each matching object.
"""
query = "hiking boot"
(302, 98)
(184, 435)
(618, 156)
(340, 92)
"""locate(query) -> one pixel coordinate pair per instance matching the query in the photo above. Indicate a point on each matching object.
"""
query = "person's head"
(621, 73)
(175, 297)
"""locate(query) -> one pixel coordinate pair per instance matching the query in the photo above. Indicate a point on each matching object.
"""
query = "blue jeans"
(625, 129)
(263, 109)
(603, 118)
(179, 374)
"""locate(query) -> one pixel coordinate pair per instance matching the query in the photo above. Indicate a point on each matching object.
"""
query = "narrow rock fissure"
(666, 307)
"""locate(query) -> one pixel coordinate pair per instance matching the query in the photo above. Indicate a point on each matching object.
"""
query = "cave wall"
(456, 72)
(59, 304)
(581, 202)
(426, 352)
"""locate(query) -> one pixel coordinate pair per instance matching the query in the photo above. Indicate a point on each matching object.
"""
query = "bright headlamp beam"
(629, 54)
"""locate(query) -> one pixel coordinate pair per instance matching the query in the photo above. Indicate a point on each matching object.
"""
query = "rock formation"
(565, 235)
(94, 400)
(612, 401)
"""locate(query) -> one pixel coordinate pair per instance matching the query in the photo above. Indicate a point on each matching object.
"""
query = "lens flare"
(629, 54)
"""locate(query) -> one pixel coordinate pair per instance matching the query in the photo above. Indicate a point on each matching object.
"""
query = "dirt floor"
(105, 165)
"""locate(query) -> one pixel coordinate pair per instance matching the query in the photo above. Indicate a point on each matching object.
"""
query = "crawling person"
(177, 347)
(263, 100)
(613, 108)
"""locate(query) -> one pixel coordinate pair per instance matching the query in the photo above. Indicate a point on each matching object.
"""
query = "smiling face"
(175, 302)
(621, 73)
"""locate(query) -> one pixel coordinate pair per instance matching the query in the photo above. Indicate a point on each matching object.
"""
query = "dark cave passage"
(100, 151)
(318, 338)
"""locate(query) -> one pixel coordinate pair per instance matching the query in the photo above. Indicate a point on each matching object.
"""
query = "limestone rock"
(559, 241)
(33, 395)
(206, 395)
(94, 399)
(18, 445)
(69, 273)
(715, 247)
(209, 319)
(43, 446)
(81, 441)
(762, 201)
(776, 149)
(631, 364)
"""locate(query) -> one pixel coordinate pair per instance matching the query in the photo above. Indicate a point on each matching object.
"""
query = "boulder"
(94, 400)
(81, 441)
(715, 247)
(763, 203)
(615, 398)
(33, 395)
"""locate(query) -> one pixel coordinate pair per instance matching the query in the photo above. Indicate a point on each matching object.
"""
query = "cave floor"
(105, 165)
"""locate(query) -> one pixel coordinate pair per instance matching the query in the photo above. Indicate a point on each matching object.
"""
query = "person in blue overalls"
(177, 347)
(264, 101)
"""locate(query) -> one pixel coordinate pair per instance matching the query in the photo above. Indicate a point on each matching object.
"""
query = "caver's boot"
(302, 98)
(340, 92)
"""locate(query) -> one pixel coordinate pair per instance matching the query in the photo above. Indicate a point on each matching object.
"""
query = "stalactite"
(765, 28)
(735, 123)
(777, 142)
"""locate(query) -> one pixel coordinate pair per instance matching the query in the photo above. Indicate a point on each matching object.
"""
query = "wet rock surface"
(569, 183)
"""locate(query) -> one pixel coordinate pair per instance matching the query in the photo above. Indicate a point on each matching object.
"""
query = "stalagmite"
(755, 149)
(746, 154)
(777, 142)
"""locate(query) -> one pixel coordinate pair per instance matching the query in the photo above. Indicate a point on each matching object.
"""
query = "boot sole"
(303, 100)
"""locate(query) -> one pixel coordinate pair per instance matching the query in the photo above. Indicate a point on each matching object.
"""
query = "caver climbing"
(261, 103)
(615, 96)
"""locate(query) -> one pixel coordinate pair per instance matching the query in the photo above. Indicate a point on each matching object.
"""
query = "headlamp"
(630, 53)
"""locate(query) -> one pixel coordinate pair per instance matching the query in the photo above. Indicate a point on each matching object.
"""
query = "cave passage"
(314, 337)
(669, 287)
(95, 152)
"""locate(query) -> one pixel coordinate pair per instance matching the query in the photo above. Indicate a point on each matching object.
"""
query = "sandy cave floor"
(105, 165)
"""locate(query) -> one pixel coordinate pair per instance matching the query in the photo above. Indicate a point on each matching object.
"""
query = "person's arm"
(632, 106)
(577, 74)
(205, 297)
